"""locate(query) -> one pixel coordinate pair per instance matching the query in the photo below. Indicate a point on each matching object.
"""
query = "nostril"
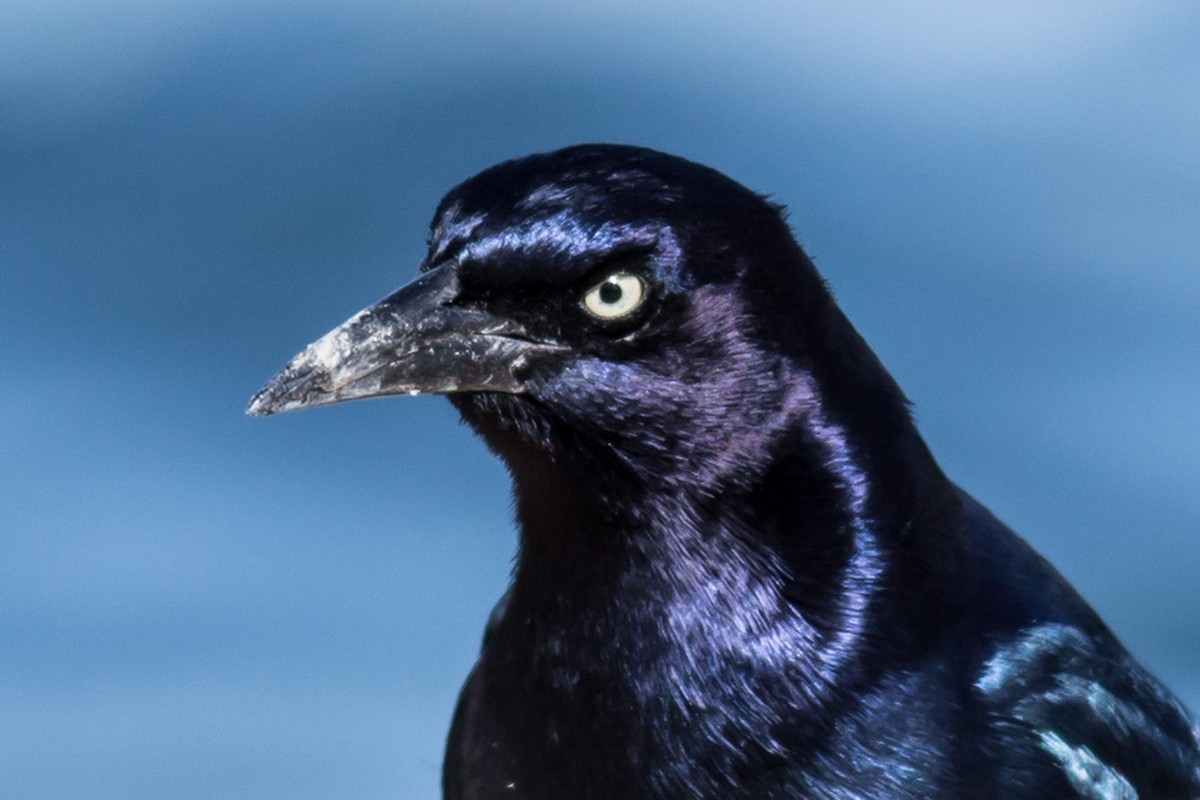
(520, 368)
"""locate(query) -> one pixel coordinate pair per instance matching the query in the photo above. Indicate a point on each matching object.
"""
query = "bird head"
(607, 306)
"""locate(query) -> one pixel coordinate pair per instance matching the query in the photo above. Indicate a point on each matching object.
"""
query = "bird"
(740, 572)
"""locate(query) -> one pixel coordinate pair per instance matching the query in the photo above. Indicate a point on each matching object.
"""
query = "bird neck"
(803, 550)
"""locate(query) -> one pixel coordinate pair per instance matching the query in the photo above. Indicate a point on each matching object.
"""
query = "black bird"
(741, 573)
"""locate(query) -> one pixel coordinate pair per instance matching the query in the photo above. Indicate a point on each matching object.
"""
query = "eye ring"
(617, 296)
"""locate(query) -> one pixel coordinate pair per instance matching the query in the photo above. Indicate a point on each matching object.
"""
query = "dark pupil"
(609, 292)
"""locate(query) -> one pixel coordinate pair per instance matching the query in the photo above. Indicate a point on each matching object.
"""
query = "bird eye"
(616, 296)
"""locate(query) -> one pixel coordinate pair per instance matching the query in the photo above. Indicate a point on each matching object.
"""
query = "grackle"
(741, 573)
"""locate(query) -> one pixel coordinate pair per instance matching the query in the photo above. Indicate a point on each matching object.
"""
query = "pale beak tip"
(260, 405)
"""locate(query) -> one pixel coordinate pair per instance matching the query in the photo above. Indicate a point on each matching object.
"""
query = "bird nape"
(741, 574)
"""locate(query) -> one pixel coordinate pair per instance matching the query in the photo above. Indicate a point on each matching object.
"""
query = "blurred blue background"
(1004, 196)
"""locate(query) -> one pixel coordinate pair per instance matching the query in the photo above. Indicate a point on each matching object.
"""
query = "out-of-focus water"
(193, 604)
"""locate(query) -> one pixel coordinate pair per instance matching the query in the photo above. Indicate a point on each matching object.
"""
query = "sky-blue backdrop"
(1005, 196)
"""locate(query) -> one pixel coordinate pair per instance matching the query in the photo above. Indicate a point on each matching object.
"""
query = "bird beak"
(411, 342)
